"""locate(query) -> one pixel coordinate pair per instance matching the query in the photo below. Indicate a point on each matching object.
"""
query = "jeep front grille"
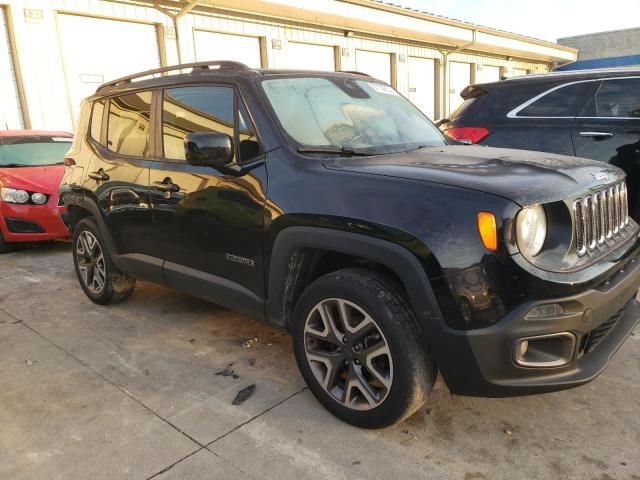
(600, 218)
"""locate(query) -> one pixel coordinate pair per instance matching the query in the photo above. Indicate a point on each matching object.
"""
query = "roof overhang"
(381, 19)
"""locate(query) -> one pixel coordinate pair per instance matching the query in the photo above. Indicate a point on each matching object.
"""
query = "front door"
(608, 129)
(208, 226)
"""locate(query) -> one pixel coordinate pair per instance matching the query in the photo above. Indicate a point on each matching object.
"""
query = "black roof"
(571, 75)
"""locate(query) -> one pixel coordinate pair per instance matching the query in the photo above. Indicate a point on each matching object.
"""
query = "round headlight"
(531, 230)
(20, 196)
(39, 198)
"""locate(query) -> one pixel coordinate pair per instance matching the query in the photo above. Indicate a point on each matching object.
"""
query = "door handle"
(596, 134)
(99, 176)
(166, 185)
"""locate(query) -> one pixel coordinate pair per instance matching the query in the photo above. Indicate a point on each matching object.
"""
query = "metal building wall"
(37, 47)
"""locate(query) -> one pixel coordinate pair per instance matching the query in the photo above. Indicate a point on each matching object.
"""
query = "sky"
(545, 19)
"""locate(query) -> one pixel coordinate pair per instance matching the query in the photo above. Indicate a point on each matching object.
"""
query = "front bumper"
(32, 223)
(482, 362)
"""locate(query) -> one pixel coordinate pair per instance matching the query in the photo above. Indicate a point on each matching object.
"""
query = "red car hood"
(44, 179)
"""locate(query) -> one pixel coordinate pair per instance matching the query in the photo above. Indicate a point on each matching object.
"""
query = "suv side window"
(563, 102)
(615, 98)
(129, 124)
(207, 108)
(194, 109)
(97, 111)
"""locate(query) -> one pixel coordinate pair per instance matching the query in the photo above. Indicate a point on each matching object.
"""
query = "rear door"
(118, 173)
(608, 129)
(208, 225)
(542, 122)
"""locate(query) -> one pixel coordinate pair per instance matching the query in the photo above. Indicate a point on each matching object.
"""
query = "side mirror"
(209, 150)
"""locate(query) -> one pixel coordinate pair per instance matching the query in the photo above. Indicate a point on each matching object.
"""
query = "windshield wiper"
(349, 152)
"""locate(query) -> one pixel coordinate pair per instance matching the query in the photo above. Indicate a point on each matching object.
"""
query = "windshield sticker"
(381, 88)
(61, 139)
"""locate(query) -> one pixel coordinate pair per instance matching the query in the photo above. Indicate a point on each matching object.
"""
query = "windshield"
(33, 151)
(348, 113)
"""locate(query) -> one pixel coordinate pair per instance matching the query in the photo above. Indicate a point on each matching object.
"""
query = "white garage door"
(422, 84)
(311, 57)
(486, 74)
(459, 78)
(10, 111)
(376, 64)
(222, 46)
(96, 50)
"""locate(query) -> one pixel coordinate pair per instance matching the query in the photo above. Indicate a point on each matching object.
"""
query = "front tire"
(359, 349)
(100, 279)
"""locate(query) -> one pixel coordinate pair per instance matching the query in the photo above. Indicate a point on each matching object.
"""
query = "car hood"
(45, 179)
(523, 176)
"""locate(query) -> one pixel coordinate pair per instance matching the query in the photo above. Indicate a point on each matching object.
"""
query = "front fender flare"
(393, 256)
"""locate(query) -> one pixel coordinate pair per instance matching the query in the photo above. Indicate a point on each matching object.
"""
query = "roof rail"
(355, 72)
(163, 70)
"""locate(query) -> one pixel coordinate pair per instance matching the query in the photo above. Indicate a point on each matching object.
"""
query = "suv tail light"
(467, 134)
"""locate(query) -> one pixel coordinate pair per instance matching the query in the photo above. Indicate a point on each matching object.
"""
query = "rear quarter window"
(564, 101)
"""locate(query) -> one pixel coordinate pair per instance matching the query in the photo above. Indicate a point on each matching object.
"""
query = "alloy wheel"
(348, 354)
(91, 262)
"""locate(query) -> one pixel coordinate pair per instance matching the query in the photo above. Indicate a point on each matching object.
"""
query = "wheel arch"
(298, 250)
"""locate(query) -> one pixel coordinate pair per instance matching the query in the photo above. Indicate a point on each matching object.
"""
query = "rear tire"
(100, 279)
(359, 349)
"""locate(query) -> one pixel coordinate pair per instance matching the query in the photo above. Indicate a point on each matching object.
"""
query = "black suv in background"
(327, 204)
(589, 113)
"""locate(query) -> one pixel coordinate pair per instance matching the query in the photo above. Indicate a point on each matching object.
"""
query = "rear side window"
(96, 120)
(563, 102)
(615, 98)
(129, 124)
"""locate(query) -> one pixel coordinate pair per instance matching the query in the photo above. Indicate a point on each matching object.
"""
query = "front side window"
(616, 98)
(194, 109)
(348, 112)
(129, 124)
(563, 102)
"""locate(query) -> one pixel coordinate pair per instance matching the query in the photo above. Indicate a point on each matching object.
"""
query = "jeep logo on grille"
(600, 176)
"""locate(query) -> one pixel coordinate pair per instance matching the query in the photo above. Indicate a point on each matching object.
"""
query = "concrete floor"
(130, 391)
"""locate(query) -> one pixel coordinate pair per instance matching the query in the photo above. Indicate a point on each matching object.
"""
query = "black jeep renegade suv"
(327, 204)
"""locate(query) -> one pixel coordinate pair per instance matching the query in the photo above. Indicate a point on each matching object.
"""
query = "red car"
(31, 168)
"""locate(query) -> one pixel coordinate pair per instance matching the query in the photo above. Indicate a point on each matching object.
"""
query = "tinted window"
(194, 109)
(128, 128)
(248, 141)
(563, 102)
(96, 119)
(616, 98)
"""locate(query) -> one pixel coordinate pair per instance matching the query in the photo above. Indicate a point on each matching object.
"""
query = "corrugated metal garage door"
(10, 111)
(376, 64)
(422, 84)
(486, 74)
(95, 50)
(459, 78)
(311, 57)
(221, 46)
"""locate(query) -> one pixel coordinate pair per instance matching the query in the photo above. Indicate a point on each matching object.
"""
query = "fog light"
(38, 198)
(545, 351)
(544, 311)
